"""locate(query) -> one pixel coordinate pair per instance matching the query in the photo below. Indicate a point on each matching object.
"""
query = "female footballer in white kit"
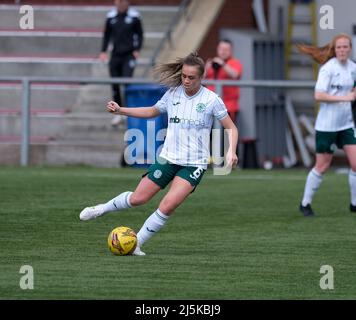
(334, 125)
(191, 109)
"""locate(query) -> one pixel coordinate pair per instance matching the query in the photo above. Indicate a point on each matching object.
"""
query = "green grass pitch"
(238, 236)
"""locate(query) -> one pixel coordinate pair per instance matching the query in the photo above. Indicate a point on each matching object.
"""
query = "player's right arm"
(326, 97)
(140, 112)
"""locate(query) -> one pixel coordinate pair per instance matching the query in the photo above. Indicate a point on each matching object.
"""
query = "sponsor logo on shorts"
(157, 174)
(196, 174)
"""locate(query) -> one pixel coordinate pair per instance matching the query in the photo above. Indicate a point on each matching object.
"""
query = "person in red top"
(225, 67)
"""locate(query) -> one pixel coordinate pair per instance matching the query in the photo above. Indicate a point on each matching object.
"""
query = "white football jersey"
(190, 120)
(336, 79)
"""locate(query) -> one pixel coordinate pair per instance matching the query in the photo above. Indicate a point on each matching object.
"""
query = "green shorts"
(163, 172)
(327, 142)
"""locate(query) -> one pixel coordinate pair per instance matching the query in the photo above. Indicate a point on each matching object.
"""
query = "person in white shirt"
(334, 125)
(191, 109)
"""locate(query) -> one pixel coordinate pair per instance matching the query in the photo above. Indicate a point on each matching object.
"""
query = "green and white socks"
(352, 183)
(312, 184)
(314, 180)
(122, 201)
(152, 225)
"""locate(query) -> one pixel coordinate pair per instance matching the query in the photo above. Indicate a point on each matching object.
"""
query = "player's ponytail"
(323, 54)
(169, 74)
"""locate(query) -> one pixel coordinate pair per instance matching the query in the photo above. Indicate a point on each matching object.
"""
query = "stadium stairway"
(191, 30)
(301, 28)
(69, 123)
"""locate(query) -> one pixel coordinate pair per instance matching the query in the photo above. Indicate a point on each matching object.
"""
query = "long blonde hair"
(170, 74)
(325, 53)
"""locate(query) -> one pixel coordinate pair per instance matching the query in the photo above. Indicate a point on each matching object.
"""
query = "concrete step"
(98, 127)
(53, 96)
(75, 152)
(69, 126)
(16, 139)
(68, 43)
(140, 71)
(93, 99)
(47, 66)
(154, 18)
(56, 66)
(33, 111)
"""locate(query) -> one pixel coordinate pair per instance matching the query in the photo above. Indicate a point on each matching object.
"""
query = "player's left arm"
(233, 135)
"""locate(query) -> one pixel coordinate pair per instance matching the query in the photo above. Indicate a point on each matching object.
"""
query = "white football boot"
(138, 252)
(92, 212)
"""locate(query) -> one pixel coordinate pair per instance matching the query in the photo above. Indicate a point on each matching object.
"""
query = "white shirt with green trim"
(190, 120)
(336, 79)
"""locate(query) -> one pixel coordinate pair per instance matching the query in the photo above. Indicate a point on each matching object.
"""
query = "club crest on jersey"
(200, 107)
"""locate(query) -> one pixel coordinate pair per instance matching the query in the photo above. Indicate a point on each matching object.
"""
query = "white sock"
(312, 184)
(122, 201)
(352, 183)
(153, 224)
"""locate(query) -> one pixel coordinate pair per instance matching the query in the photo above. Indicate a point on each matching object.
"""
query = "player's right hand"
(113, 107)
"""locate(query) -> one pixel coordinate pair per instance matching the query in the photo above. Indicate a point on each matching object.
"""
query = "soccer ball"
(122, 241)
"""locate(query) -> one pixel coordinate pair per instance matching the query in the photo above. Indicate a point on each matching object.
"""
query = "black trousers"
(121, 66)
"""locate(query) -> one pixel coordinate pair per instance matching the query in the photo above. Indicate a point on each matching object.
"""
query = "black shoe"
(307, 210)
(352, 208)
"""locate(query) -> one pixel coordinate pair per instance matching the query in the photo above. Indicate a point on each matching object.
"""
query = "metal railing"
(27, 81)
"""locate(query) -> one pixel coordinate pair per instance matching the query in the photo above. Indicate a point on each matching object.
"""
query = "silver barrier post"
(25, 122)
